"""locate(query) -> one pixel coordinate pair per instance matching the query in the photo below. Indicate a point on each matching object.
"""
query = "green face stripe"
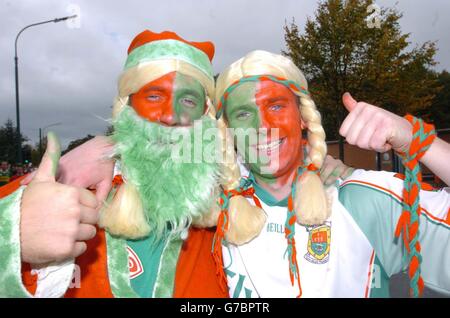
(243, 115)
(242, 110)
(188, 98)
(170, 49)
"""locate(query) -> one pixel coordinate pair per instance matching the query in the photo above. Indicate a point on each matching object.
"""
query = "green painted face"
(242, 111)
(269, 111)
(174, 99)
(189, 98)
(244, 117)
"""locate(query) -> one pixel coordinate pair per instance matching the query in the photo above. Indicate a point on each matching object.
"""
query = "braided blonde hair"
(311, 203)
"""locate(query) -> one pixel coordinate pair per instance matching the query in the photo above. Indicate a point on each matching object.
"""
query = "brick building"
(366, 159)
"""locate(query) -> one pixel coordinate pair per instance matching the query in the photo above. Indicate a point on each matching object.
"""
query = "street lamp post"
(16, 67)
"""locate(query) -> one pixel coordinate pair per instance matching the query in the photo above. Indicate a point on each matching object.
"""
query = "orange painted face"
(173, 100)
(269, 105)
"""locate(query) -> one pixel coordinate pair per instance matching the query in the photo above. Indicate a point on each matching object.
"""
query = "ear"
(303, 125)
(130, 100)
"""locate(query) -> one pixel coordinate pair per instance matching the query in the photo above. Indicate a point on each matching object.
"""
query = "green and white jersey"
(353, 254)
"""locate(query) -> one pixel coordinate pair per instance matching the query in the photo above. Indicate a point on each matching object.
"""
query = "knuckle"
(350, 140)
(361, 144)
(66, 249)
(75, 212)
(72, 230)
(82, 246)
(92, 231)
(74, 193)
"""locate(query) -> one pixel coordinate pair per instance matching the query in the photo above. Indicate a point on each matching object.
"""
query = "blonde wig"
(310, 202)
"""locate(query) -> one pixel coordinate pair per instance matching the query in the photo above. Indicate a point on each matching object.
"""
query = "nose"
(265, 123)
(268, 127)
(168, 117)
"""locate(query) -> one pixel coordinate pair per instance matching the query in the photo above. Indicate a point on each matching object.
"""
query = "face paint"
(243, 116)
(268, 105)
(173, 100)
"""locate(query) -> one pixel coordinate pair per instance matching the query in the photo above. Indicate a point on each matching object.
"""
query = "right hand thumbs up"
(49, 163)
(56, 219)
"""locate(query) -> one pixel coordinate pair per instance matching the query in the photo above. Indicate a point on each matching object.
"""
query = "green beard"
(173, 192)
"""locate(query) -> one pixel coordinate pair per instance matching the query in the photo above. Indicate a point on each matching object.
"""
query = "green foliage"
(438, 113)
(339, 52)
(8, 146)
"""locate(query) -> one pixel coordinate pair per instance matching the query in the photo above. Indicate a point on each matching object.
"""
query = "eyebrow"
(190, 91)
(234, 109)
(276, 99)
(155, 88)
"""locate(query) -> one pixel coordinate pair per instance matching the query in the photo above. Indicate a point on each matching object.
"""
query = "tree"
(8, 147)
(339, 52)
(109, 130)
(438, 112)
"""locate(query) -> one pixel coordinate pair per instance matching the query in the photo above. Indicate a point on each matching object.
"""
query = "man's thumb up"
(49, 163)
(349, 102)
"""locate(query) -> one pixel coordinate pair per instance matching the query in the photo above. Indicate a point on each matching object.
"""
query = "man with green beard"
(162, 187)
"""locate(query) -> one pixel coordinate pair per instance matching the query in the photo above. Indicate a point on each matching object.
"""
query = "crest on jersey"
(319, 244)
(134, 264)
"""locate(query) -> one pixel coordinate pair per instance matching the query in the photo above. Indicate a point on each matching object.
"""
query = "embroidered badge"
(319, 244)
(134, 264)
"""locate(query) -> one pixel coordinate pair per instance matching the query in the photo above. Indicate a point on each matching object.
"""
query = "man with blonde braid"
(343, 242)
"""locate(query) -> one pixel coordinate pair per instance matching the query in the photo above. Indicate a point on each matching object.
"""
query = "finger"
(29, 177)
(86, 232)
(355, 129)
(87, 198)
(102, 190)
(89, 215)
(349, 102)
(378, 141)
(347, 172)
(348, 122)
(326, 170)
(335, 174)
(49, 163)
(79, 248)
(366, 133)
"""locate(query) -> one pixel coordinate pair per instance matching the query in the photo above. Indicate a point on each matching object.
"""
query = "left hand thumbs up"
(373, 128)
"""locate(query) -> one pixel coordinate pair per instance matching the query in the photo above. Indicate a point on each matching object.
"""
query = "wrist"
(421, 136)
